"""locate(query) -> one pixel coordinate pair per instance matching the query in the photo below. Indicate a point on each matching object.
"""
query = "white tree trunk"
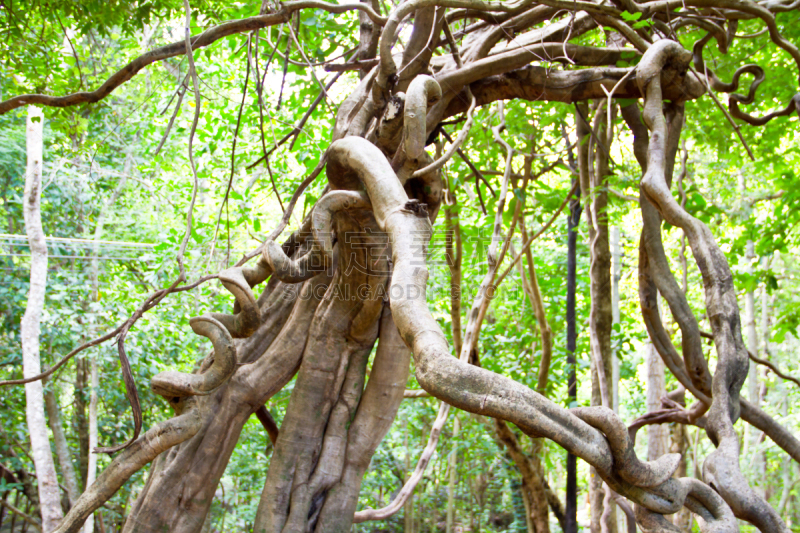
(616, 273)
(657, 434)
(47, 481)
(750, 329)
(91, 471)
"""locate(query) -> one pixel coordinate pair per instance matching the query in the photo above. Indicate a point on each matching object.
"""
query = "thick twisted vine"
(462, 385)
(320, 255)
(721, 468)
(180, 389)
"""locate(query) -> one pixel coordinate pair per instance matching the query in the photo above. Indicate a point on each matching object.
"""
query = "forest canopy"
(433, 265)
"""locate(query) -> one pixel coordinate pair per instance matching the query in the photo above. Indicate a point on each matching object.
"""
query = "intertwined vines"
(382, 183)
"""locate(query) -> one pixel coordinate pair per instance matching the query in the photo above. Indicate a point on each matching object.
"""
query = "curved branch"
(423, 92)
(175, 385)
(721, 468)
(760, 361)
(156, 440)
(462, 385)
(246, 321)
(179, 48)
(736, 99)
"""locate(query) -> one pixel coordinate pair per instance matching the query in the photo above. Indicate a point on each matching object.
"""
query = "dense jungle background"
(225, 142)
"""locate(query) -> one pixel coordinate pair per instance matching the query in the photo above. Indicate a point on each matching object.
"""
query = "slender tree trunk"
(753, 394)
(49, 497)
(62, 448)
(657, 434)
(91, 473)
(571, 497)
(616, 275)
(787, 465)
(594, 179)
(526, 500)
(453, 254)
(408, 507)
(453, 250)
(682, 518)
(79, 417)
(750, 329)
(453, 478)
(538, 517)
(535, 496)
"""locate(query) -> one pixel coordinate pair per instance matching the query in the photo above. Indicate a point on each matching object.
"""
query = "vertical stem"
(408, 518)
(616, 274)
(451, 486)
(571, 500)
(62, 448)
(91, 474)
(657, 434)
(751, 436)
(453, 253)
(49, 497)
(79, 416)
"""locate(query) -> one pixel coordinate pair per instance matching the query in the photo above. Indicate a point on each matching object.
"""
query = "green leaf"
(628, 17)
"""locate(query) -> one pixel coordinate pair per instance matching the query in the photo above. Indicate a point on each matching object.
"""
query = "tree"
(34, 396)
(354, 275)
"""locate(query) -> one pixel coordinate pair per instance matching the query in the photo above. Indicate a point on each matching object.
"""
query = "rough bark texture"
(657, 434)
(370, 233)
(571, 492)
(60, 442)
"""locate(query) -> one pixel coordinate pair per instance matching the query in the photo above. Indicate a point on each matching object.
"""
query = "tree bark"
(82, 379)
(752, 437)
(452, 479)
(62, 448)
(49, 497)
(616, 275)
(408, 507)
(573, 220)
(594, 180)
(657, 434)
(91, 473)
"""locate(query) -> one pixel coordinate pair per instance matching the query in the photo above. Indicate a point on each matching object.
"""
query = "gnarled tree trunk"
(357, 275)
